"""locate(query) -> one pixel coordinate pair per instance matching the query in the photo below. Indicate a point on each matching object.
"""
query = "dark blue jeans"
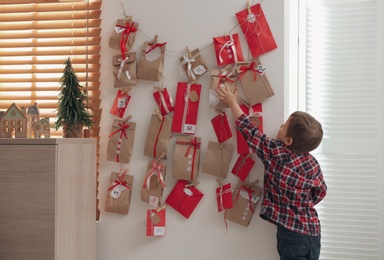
(295, 246)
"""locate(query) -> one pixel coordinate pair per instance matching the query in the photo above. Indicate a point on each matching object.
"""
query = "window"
(35, 39)
(338, 67)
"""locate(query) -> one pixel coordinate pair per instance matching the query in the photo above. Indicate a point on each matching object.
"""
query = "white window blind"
(339, 85)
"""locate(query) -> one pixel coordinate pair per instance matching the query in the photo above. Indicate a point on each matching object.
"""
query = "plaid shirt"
(293, 184)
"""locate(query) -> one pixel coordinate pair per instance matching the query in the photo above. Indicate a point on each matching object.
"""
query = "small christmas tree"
(72, 109)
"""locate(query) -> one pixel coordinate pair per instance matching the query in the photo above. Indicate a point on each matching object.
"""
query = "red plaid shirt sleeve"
(293, 184)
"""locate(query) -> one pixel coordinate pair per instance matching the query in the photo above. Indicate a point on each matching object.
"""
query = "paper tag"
(119, 29)
(199, 70)
(154, 54)
(193, 96)
(188, 192)
(158, 231)
(245, 195)
(121, 102)
(153, 200)
(115, 193)
(189, 129)
(155, 218)
(254, 199)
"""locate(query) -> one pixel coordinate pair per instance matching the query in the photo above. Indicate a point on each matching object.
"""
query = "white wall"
(202, 236)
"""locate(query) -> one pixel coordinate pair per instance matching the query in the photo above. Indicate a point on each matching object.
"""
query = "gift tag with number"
(158, 231)
(189, 129)
(119, 29)
(199, 70)
(121, 102)
(115, 193)
(154, 201)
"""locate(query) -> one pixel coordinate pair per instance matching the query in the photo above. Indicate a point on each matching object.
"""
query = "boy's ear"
(288, 141)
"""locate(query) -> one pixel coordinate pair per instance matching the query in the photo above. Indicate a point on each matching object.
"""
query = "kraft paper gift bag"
(256, 30)
(119, 192)
(227, 49)
(123, 35)
(224, 197)
(120, 103)
(120, 143)
(221, 127)
(186, 108)
(156, 222)
(255, 114)
(243, 166)
(151, 63)
(245, 199)
(221, 78)
(154, 182)
(254, 81)
(163, 100)
(124, 70)
(193, 64)
(186, 158)
(184, 198)
(217, 158)
(158, 136)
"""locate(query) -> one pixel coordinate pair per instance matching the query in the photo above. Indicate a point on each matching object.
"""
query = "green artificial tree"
(72, 113)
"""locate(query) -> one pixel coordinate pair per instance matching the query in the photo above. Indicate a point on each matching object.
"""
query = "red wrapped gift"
(163, 100)
(255, 114)
(243, 166)
(120, 103)
(186, 108)
(228, 49)
(156, 222)
(184, 198)
(224, 197)
(256, 30)
(221, 126)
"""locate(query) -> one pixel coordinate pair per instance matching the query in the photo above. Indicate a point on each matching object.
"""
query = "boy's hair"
(306, 132)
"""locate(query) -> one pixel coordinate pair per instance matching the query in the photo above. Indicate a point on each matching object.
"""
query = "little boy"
(293, 180)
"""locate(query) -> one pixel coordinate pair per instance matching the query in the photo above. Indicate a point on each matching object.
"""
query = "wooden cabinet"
(48, 199)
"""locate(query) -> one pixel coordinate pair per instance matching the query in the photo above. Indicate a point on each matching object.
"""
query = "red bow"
(251, 67)
(122, 129)
(120, 182)
(124, 37)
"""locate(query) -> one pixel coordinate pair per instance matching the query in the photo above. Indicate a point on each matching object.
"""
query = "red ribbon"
(251, 67)
(122, 129)
(193, 143)
(155, 168)
(249, 196)
(223, 79)
(153, 46)
(119, 182)
(124, 37)
(157, 137)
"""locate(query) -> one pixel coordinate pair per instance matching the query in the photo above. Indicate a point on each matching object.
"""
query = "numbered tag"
(115, 193)
(119, 29)
(189, 129)
(121, 102)
(154, 201)
(254, 198)
(158, 231)
(199, 70)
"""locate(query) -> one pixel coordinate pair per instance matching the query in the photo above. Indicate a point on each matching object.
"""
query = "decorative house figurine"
(18, 122)
(14, 123)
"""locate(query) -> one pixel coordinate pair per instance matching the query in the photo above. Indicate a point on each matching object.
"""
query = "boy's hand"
(226, 95)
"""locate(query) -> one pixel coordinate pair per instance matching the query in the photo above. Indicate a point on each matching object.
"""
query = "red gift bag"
(224, 197)
(221, 126)
(186, 108)
(255, 114)
(120, 103)
(163, 100)
(184, 198)
(243, 166)
(228, 49)
(256, 30)
(156, 222)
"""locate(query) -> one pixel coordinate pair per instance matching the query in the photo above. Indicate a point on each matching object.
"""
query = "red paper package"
(243, 166)
(228, 49)
(163, 100)
(255, 114)
(184, 198)
(120, 103)
(224, 197)
(156, 222)
(186, 108)
(256, 30)
(221, 126)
